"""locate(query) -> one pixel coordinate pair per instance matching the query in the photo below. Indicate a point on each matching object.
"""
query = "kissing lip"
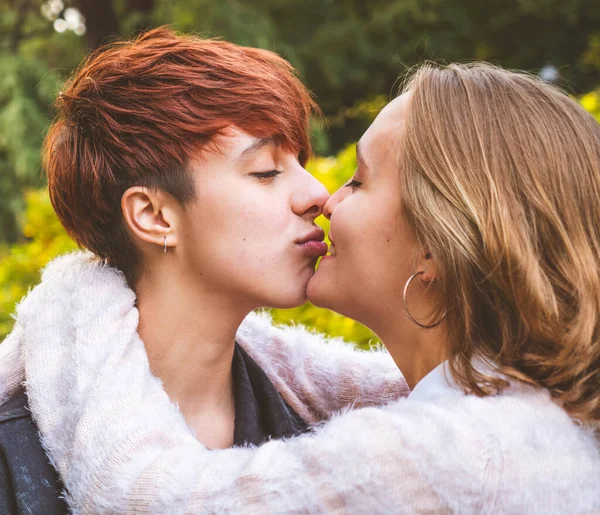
(312, 243)
(316, 234)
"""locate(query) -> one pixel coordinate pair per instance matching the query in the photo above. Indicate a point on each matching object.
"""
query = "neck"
(415, 351)
(189, 336)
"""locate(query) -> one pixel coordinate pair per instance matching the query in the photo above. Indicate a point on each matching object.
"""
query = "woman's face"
(373, 251)
(251, 231)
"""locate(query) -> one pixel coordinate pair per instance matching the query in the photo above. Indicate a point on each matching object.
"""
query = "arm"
(359, 463)
(319, 376)
(121, 446)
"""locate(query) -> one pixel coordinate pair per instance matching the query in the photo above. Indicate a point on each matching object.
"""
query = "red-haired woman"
(468, 239)
(179, 162)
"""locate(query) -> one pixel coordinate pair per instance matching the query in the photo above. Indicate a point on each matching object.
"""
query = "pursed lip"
(312, 244)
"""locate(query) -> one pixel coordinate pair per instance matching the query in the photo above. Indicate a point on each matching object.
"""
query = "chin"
(318, 293)
(287, 298)
(324, 293)
(293, 301)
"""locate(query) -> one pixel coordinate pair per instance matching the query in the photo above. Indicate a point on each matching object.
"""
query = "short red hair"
(136, 112)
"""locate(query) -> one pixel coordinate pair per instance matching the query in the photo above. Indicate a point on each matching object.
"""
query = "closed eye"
(354, 184)
(266, 175)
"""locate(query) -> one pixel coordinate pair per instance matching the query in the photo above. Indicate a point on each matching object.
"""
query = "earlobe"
(427, 267)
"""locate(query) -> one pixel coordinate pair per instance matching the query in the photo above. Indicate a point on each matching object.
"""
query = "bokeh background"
(350, 53)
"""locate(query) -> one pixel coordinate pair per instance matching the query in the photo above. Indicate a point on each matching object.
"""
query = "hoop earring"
(165, 241)
(423, 326)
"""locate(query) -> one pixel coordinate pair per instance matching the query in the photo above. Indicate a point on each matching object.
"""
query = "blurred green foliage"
(20, 263)
(26, 89)
(348, 53)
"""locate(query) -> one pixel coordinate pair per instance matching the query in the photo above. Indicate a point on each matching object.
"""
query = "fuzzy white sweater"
(121, 446)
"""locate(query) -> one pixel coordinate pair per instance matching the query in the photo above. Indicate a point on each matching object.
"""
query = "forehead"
(377, 142)
(234, 144)
(234, 140)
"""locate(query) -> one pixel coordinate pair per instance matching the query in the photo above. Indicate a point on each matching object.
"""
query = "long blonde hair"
(501, 183)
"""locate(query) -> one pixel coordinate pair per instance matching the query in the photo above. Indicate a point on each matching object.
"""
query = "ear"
(150, 215)
(426, 264)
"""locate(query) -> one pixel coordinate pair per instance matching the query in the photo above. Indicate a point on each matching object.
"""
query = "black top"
(260, 412)
(30, 485)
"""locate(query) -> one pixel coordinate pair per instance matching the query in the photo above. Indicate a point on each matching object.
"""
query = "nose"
(333, 202)
(314, 197)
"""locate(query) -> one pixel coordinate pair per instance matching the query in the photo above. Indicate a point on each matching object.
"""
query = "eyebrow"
(257, 145)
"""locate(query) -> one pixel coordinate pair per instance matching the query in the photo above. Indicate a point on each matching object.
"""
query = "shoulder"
(28, 482)
(507, 451)
(537, 455)
(15, 408)
(556, 457)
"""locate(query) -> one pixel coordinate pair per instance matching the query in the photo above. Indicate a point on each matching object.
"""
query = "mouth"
(313, 244)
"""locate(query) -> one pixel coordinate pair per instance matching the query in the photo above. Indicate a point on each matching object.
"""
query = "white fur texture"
(121, 446)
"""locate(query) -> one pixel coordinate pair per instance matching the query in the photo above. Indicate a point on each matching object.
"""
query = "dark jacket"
(30, 485)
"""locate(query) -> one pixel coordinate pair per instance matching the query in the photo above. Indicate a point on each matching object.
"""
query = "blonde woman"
(468, 240)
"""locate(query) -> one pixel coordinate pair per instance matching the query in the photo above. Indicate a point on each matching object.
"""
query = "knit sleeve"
(319, 376)
(373, 460)
(121, 446)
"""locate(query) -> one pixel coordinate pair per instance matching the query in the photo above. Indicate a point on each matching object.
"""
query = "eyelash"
(267, 175)
(354, 184)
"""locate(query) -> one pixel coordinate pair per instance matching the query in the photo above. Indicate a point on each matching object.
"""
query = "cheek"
(371, 247)
(245, 232)
(348, 221)
(244, 240)
(354, 228)
(235, 211)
